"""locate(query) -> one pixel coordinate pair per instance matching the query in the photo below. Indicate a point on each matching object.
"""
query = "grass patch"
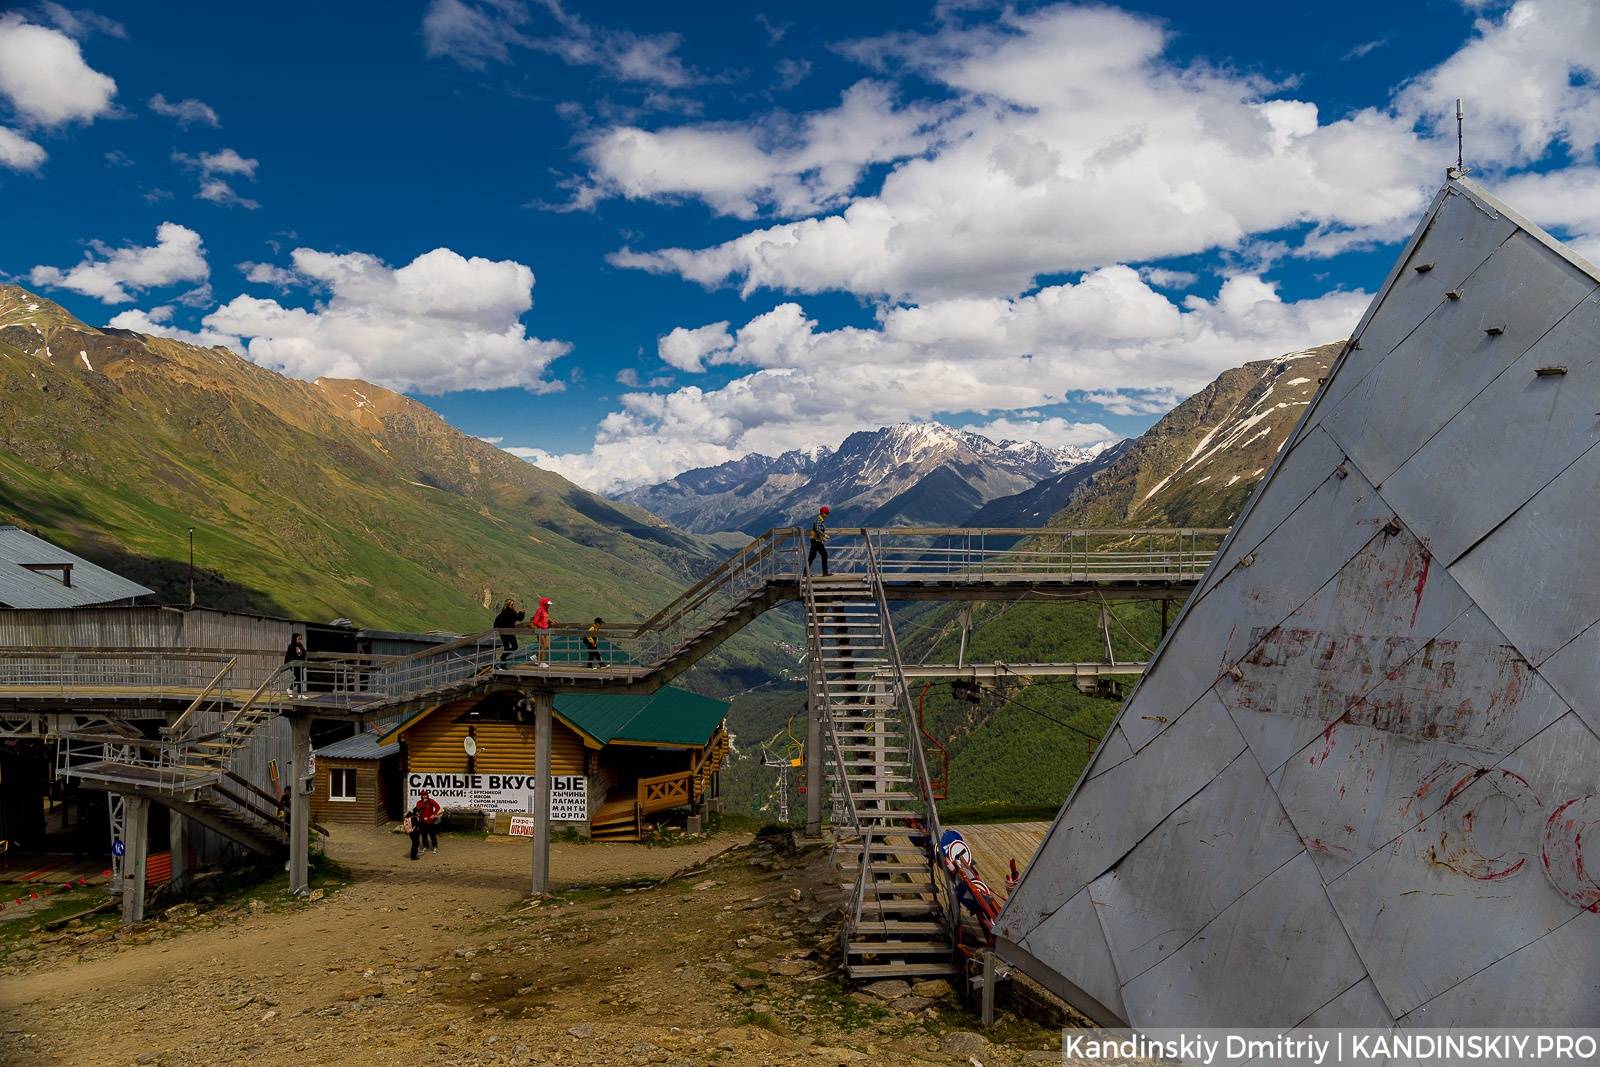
(266, 881)
(15, 931)
(739, 823)
(762, 1019)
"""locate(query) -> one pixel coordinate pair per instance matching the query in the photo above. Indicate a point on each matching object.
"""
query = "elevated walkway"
(909, 564)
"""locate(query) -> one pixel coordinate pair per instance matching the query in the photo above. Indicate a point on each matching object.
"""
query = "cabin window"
(342, 783)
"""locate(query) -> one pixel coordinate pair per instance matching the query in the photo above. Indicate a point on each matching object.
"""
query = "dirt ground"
(445, 961)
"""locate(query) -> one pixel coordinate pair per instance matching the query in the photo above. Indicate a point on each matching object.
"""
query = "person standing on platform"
(295, 658)
(591, 641)
(819, 540)
(508, 618)
(541, 630)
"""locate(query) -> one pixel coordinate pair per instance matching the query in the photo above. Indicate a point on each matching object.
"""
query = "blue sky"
(754, 229)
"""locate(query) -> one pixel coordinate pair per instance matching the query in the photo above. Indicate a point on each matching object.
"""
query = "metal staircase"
(192, 767)
(883, 809)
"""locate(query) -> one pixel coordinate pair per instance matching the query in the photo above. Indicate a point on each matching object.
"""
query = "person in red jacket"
(541, 630)
(425, 824)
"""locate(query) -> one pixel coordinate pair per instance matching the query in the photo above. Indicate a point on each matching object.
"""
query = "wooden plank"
(995, 844)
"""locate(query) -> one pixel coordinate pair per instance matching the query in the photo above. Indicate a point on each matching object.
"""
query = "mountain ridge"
(318, 499)
(902, 474)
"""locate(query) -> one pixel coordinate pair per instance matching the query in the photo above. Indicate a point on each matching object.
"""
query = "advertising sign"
(473, 792)
(569, 798)
(569, 793)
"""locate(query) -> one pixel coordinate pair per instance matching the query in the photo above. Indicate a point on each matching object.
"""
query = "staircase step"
(936, 946)
(898, 927)
(899, 970)
(887, 868)
(881, 909)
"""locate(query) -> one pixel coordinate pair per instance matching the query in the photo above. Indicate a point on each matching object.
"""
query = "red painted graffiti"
(1561, 851)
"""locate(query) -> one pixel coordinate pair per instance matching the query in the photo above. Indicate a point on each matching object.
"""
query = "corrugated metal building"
(36, 574)
(1353, 786)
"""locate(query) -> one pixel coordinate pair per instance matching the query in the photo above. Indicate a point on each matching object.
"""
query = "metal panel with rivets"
(1148, 904)
(1544, 411)
(1513, 300)
(1525, 575)
(1299, 556)
(1471, 881)
(1113, 811)
(1402, 662)
(1458, 236)
(1278, 952)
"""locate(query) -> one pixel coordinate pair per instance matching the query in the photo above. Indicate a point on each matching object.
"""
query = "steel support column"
(135, 842)
(300, 785)
(178, 835)
(813, 769)
(543, 708)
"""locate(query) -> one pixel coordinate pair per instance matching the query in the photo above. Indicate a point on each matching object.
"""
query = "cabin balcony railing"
(664, 791)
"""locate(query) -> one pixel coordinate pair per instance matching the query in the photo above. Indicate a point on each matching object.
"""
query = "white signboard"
(569, 793)
(569, 798)
(473, 792)
(521, 826)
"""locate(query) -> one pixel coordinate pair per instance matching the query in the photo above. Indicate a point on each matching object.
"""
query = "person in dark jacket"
(295, 657)
(425, 824)
(591, 641)
(819, 540)
(509, 617)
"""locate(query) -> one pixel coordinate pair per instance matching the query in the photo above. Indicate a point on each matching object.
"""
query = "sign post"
(543, 704)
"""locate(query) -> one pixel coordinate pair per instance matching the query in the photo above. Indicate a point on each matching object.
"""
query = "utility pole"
(191, 566)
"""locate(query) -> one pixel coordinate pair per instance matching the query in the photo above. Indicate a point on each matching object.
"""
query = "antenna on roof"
(1460, 117)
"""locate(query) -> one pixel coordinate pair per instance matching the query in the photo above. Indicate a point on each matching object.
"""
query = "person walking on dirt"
(426, 814)
(412, 825)
(508, 618)
(541, 630)
(295, 657)
(591, 641)
(819, 540)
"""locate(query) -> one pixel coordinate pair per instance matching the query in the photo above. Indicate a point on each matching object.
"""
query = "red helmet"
(824, 509)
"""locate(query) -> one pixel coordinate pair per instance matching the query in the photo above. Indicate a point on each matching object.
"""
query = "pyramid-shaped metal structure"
(1355, 784)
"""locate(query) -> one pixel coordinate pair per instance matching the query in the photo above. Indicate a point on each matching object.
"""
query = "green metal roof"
(669, 716)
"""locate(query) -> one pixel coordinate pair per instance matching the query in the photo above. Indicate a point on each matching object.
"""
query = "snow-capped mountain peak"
(907, 473)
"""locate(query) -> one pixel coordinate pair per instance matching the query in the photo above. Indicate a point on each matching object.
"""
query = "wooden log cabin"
(357, 780)
(638, 756)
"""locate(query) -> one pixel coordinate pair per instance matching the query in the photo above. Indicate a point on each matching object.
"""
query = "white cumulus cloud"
(19, 153)
(1071, 138)
(44, 77)
(1107, 331)
(188, 111)
(112, 275)
(1048, 430)
(792, 165)
(685, 348)
(441, 323)
(158, 323)
(475, 34)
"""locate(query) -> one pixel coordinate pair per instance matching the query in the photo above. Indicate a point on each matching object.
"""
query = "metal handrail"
(177, 725)
(903, 698)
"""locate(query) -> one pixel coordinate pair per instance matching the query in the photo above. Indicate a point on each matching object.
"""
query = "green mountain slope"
(319, 499)
(1198, 464)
